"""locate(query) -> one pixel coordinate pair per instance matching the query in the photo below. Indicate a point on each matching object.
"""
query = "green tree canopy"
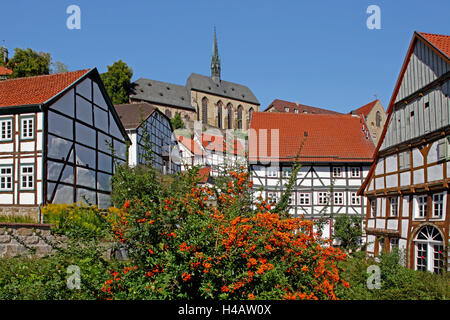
(348, 229)
(117, 81)
(26, 63)
(176, 121)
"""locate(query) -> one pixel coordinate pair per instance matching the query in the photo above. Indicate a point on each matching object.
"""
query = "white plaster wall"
(418, 176)
(435, 172)
(391, 163)
(417, 158)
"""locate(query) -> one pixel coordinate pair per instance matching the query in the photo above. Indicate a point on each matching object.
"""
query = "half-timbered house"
(335, 152)
(159, 142)
(56, 136)
(407, 187)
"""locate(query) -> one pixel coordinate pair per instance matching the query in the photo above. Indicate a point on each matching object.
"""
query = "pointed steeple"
(215, 60)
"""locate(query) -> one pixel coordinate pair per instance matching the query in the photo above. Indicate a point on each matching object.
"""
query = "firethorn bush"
(186, 241)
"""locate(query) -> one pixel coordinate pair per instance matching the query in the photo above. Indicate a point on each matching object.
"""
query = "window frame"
(354, 196)
(303, 196)
(441, 203)
(21, 134)
(7, 119)
(352, 175)
(421, 207)
(33, 175)
(338, 195)
(10, 175)
(393, 204)
(321, 196)
(339, 175)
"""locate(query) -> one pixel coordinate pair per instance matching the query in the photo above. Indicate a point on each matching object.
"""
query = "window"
(250, 115)
(304, 198)
(219, 115)
(291, 199)
(287, 172)
(272, 172)
(429, 247)
(442, 148)
(27, 177)
(373, 207)
(322, 198)
(272, 197)
(355, 172)
(6, 178)
(6, 129)
(286, 109)
(239, 117)
(404, 160)
(230, 115)
(394, 243)
(394, 206)
(378, 119)
(27, 128)
(205, 110)
(295, 110)
(421, 206)
(337, 172)
(338, 198)
(355, 199)
(438, 205)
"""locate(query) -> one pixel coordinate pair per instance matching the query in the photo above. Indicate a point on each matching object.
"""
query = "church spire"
(215, 60)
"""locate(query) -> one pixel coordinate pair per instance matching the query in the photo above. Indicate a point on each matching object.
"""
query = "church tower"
(215, 61)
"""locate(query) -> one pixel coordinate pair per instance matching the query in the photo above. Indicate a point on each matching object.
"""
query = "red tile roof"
(203, 174)
(191, 145)
(219, 144)
(440, 41)
(365, 110)
(36, 90)
(280, 105)
(5, 71)
(327, 138)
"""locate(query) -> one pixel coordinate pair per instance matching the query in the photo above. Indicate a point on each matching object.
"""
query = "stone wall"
(16, 237)
(28, 212)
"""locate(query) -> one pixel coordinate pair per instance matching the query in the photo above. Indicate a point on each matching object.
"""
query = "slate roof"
(280, 105)
(326, 138)
(159, 92)
(36, 90)
(133, 114)
(223, 88)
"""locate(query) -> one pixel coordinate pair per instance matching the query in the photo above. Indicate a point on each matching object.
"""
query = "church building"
(209, 99)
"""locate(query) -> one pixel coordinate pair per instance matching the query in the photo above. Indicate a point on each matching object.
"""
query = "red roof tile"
(219, 144)
(203, 174)
(365, 110)
(191, 145)
(36, 90)
(280, 105)
(327, 138)
(440, 41)
(5, 71)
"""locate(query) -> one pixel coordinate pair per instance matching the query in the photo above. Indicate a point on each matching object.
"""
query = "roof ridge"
(47, 75)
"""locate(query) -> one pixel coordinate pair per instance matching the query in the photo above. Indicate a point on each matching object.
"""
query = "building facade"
(148, 128)
(375, 117)
(209, 99)
(335, 152)
(56, 135)
(407, 188)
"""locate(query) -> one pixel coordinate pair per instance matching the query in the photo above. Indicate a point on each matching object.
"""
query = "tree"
(58, 67)
(117, 81)
(347, 229)
(176, 121)
(27, 63)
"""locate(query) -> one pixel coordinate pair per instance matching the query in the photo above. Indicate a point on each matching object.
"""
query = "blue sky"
(318, 53)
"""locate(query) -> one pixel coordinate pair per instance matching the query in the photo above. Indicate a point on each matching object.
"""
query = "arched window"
(239, 117)
(168, 113)
(429, 250)
(378, 119)
(250, 114)
(219, 114)
(230, 115)
(205, 110)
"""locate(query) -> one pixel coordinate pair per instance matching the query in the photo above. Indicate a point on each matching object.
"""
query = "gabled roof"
(365, 110)
(219, 144)
(191, 145)
(133, 114)
(5, 71)
(326, 138)
(159, 92)
(281, 105)
(438, 43)
(36, 90)
(203, 174)
(222, 88)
